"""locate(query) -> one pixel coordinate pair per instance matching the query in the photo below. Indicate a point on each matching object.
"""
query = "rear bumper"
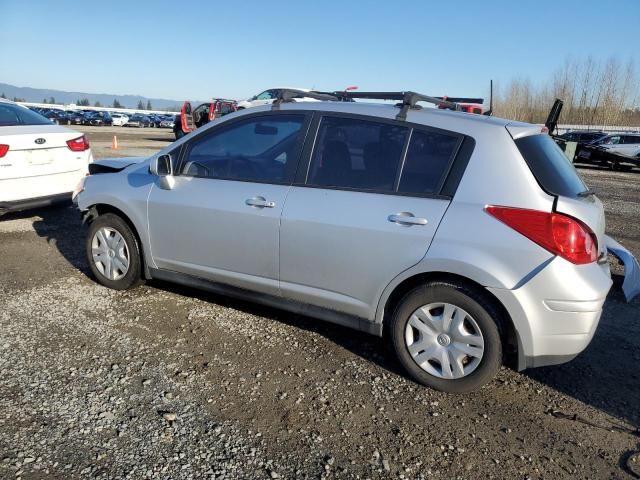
(29, 203)
(557, 312)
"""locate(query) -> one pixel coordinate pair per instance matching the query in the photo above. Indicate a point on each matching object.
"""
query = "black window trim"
(290, 172)
(448, 183)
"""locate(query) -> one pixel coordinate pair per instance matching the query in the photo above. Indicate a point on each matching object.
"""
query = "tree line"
(84, 102)
(595, 92)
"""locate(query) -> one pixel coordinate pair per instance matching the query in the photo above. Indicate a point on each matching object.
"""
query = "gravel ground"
(169, 382)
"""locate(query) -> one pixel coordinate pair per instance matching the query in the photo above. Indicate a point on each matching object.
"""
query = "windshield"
(11, 115)
(553, 171)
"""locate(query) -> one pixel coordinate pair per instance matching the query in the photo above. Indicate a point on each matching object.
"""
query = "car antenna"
(490, 111)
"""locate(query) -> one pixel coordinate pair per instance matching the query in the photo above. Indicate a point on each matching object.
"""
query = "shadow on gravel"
(369, 347)
(606, 375)
(62, 227)
(169, 138)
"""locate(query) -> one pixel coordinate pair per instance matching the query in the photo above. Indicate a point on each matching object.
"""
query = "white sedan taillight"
(79, 144)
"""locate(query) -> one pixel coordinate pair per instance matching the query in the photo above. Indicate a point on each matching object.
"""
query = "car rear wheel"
(113, 253)
(446, 336)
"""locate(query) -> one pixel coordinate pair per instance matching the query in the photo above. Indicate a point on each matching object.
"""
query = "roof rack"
(407, 100)
(288, 94)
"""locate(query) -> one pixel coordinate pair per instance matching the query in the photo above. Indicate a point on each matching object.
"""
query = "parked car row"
(616, 150)
(103, 118)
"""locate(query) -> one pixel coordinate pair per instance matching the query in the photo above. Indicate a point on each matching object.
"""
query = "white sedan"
(119, 120)
(269, 96)
(40, 163)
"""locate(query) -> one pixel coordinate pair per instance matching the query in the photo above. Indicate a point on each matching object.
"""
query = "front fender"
(126, 191)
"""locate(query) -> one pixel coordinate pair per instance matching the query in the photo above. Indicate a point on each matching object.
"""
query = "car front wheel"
(446, 336)
(113, 253)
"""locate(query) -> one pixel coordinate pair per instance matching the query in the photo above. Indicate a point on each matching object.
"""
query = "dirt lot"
(168, 382)
(132, 142)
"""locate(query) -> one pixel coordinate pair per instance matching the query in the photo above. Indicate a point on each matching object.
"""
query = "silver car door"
(220, 220)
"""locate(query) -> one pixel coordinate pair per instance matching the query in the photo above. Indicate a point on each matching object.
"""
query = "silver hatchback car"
(467, 241)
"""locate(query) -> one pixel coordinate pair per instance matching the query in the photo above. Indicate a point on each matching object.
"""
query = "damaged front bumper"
(631, 284)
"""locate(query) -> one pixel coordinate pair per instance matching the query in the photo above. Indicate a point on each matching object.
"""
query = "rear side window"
(552, 169)
(11, 115)
(427, 162)
(358, 154)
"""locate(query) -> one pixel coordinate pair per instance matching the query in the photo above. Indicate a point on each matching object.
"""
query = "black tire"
(133, 276)
(477, 305)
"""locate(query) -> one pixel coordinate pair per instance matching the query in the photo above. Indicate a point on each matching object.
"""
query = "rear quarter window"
(553, 171)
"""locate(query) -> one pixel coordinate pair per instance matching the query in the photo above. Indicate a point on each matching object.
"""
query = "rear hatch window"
(553, 171)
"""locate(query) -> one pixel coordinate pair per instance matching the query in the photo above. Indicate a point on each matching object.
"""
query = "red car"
(190, 119)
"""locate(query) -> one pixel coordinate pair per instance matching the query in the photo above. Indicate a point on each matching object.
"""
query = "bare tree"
(598, 93)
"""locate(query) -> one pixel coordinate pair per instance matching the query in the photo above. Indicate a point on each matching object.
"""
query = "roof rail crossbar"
(462, 99)
(288, 94)
(408, 99)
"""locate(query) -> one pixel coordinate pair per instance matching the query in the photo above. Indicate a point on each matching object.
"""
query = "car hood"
(119, 163)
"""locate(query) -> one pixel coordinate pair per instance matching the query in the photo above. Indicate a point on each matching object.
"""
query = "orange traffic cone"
(114, 143)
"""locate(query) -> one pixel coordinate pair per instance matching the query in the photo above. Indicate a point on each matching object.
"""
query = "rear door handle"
(406, 218)
(260, 202)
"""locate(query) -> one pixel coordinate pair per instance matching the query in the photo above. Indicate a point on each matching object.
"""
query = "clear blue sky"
(199, 49)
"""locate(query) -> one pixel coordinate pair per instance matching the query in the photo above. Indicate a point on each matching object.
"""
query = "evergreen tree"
(116, 104)
(44, 100)
(149, 105)
(140, 105)
(3, 95)
(97, 104)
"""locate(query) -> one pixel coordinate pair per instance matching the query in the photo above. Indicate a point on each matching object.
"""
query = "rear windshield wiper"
(587, 193)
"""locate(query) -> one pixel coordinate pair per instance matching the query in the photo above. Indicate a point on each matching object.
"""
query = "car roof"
(6, 100)
(439, 118)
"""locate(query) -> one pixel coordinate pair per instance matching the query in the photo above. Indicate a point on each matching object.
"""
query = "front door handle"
(260, 202)
(407, 219)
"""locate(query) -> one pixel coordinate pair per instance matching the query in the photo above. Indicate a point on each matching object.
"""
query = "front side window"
(262, 149)
(427, 162)
(358, 154)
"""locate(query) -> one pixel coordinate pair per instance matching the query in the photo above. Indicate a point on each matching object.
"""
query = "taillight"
(562, 235)
(79, 144)
(3, 150)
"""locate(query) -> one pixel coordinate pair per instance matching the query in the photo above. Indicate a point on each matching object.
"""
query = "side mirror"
(162, 167)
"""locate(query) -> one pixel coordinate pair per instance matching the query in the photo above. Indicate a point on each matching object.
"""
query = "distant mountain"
(62, 97)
